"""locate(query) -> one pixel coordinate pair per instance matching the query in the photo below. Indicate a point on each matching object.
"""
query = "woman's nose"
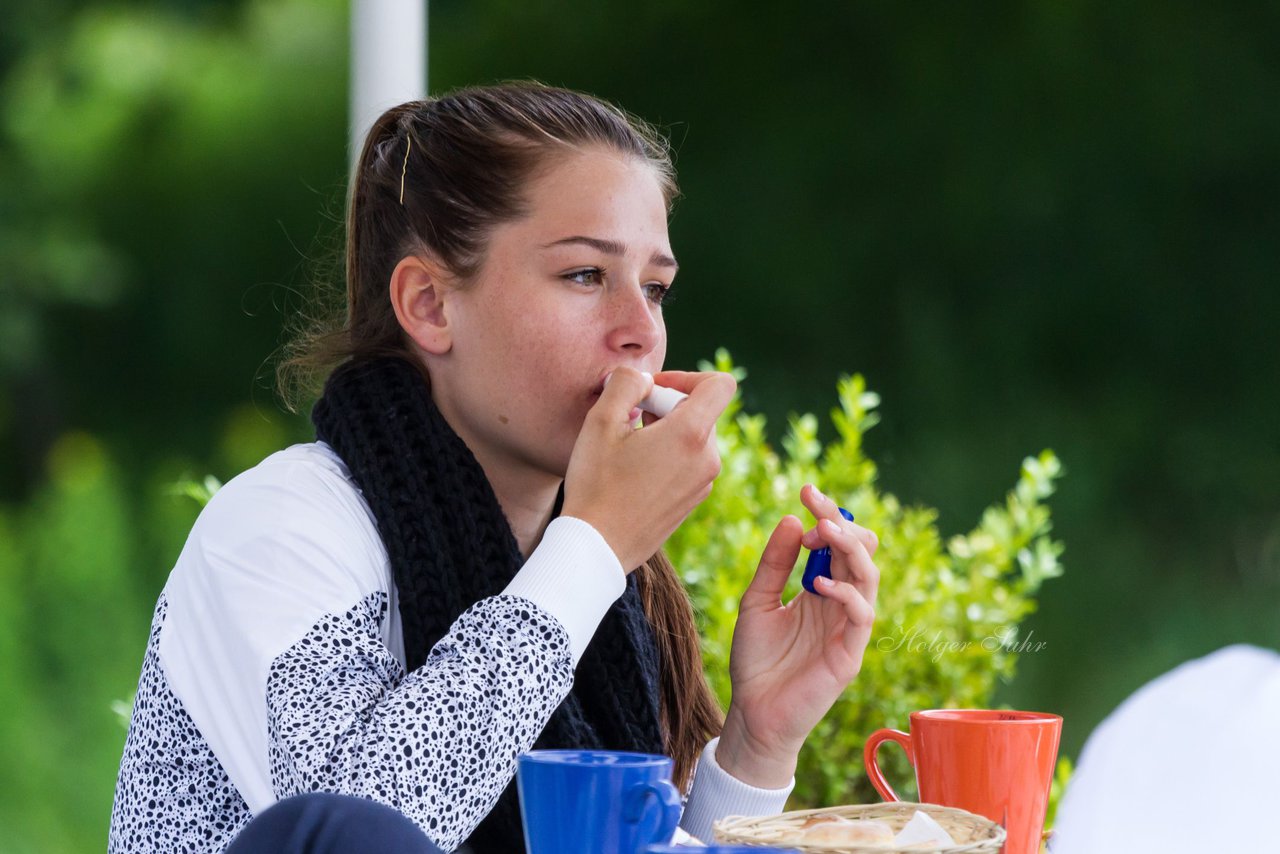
(635, 321)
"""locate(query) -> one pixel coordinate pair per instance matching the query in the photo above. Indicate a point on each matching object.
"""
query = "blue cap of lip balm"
(819, 562)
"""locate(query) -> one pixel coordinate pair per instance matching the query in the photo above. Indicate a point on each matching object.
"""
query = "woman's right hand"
(636, 486)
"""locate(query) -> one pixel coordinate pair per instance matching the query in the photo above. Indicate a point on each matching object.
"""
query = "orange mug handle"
(878, 738)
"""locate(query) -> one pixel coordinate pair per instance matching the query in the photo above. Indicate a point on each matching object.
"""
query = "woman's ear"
(418, 293)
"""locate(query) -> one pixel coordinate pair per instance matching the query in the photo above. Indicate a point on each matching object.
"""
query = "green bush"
(73, 620)
(948, 612)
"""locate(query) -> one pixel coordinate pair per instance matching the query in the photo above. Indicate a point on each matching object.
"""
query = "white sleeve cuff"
(574, 576)
(716, 793)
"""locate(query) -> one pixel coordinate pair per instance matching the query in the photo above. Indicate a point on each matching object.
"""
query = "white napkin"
(923, 830)
(682, 837)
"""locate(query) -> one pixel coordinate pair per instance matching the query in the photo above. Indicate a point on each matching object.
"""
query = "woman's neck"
(528, 499)
(526, 493)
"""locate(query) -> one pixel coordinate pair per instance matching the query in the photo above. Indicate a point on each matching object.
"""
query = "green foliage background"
(1027, 224)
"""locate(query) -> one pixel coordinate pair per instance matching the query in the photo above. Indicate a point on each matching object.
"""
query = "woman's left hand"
(789, 663)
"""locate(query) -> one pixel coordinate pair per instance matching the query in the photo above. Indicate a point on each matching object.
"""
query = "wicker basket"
(973, 833)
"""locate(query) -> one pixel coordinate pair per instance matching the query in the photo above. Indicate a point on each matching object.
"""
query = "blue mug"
(589, 801)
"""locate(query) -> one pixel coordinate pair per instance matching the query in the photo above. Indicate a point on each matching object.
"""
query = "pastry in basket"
(837, 830)
(901, 827)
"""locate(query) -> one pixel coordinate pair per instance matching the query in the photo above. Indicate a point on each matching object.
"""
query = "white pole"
(388, 60)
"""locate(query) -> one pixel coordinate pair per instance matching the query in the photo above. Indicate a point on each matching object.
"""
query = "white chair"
(1189, 763)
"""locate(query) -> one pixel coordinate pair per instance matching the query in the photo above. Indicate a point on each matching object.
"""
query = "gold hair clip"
(405, 167)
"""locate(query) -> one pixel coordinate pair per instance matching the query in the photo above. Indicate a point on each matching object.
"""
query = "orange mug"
(995, 763)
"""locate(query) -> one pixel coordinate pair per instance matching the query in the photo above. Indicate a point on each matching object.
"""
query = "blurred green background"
(1029, 224)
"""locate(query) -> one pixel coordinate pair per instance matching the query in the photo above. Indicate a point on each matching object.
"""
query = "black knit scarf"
(450, 546)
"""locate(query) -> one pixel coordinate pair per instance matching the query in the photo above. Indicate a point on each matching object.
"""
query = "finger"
(850, 560)
(708, 397)
(623, 389)
(857, 610)
(870, 540)
(776, 563)
(813, 540)
(822, 507)
(684, 381)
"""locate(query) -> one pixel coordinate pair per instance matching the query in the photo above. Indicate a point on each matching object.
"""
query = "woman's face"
(565, 295)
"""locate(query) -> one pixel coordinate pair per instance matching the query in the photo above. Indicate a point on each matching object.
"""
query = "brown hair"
(440, 174)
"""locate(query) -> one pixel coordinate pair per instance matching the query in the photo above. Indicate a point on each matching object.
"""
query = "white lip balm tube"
(662, 400)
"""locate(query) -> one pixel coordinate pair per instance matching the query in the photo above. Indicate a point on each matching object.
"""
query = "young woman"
(467, 562)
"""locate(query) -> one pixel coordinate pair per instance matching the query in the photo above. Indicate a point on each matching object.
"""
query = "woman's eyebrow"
(613, 247)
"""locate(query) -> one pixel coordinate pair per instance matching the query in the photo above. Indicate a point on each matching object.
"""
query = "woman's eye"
(589, 276)
(658, 293)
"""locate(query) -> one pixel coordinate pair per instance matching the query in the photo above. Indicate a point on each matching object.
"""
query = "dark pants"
(325, 823)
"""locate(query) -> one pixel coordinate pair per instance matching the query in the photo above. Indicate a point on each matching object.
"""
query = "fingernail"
(607, 377)
(647, 375)
(830, 527)
(823, 581)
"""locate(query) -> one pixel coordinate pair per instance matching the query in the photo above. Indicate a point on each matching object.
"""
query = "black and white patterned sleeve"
(440, 743)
